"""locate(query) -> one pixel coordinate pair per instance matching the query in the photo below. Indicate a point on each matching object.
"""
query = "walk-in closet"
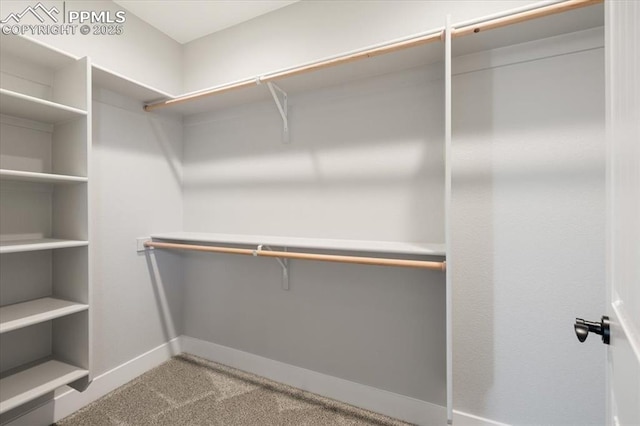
(309, 212)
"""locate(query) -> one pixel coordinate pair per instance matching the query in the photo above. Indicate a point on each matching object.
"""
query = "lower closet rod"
(436, 266)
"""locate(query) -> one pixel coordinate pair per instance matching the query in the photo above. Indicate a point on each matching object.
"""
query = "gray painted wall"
(135, 186)
(528, 239)
(358, 167)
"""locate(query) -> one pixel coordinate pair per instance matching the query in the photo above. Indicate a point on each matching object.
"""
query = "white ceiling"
(188, 20)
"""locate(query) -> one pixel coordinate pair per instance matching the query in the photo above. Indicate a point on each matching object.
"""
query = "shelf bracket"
(284, 264)
(282, 108)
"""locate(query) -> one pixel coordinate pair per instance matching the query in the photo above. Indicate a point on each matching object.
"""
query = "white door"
(623, 276)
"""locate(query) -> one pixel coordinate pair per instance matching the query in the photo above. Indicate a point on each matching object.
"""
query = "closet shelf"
(110, 80)
(19, 175)
(407, 248)
(545, 20)
(35, 382)
(318, 75)
(39, 244)
(35, 52)
(487, 34)
(20, 315)
(31, 108)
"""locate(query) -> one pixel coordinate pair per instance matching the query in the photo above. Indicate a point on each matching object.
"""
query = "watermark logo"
(33, 10)
(84, 22)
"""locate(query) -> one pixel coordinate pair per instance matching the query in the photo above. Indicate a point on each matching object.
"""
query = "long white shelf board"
(35, 52)
(424, 249)
(40, 53)
(35, 382)
(19, 175)
(111, 80)
(20, 315)
(377, 65)
(374, 66)
(31, 108)
(536, 29)
(39, 244)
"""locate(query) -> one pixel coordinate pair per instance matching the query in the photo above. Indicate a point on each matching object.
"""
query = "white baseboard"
(465, 419)
(71, 401)
(391, 404)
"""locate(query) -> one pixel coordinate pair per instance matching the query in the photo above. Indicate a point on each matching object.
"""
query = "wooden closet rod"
(436, 266)
(351, 57)
(380, 50)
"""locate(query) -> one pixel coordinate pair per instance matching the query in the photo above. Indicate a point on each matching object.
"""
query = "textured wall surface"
(135, 186)
(528, 239)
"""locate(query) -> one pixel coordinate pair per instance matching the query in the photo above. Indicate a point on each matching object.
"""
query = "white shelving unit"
(45, 124)
(45, 104)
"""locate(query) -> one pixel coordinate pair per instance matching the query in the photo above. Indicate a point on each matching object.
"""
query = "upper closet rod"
(289, 72)
(387, 48)
(436, 266)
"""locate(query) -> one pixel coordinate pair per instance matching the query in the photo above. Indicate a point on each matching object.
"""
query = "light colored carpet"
(188, 390)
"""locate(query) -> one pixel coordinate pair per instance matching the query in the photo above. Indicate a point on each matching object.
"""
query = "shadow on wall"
(365, 162)
(166, 146)
(169, 315)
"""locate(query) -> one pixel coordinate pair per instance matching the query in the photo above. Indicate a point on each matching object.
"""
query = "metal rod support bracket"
(284, 264)
(282, 108)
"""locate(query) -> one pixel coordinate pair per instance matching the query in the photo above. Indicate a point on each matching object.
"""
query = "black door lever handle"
(583, 328)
